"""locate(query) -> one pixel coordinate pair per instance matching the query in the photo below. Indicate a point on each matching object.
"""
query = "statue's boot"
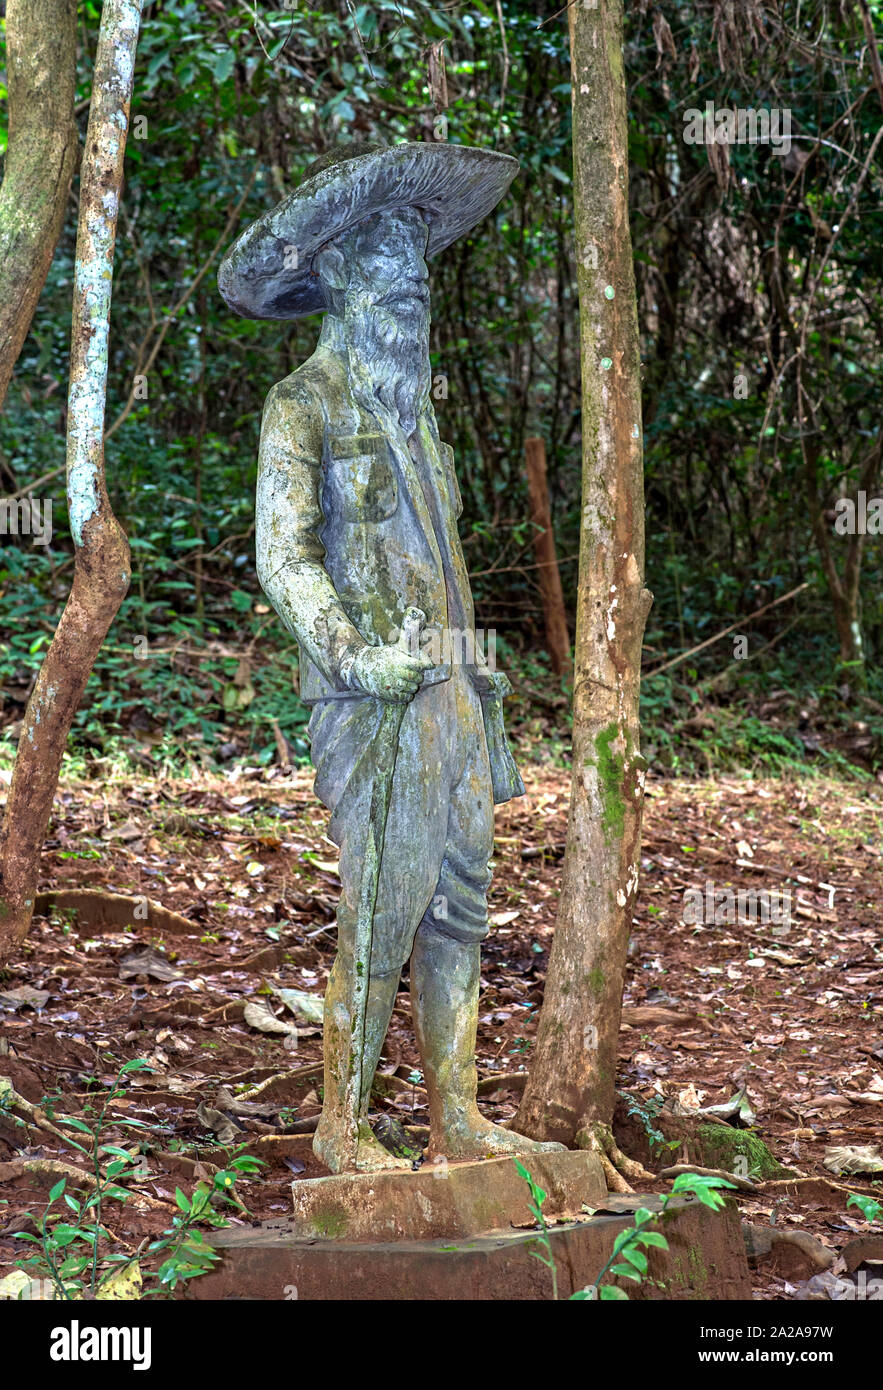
(444, 1004)
(330, 1141)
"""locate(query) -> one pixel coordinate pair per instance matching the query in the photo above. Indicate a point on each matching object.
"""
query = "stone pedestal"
(448, 1201)
(466, 1233)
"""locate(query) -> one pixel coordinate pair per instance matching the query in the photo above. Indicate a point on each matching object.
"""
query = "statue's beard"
(388, 346)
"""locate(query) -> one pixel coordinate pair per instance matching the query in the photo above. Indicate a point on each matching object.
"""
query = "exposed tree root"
(96, 909)
(742, 1184)
(297, 1143)
(55, 1168)
(45, 1167)
(13, 1101)
(619, 1170)
(255, 1092)
(503, 1081)
(385, 1084)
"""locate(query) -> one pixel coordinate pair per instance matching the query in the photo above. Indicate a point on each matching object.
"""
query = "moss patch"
(610, 779)
(689, 1272)
(330, 1222)
(596, 981)
(721, 1147)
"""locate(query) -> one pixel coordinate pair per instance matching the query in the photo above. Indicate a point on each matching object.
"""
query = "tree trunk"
(101, 567)
(844, 585)
(41, 55)
(554, 612)
(570, 1090)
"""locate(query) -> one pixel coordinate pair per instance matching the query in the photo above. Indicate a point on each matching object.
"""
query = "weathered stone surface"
(705, 1260)
(455, 186)
(359, 552)
(452, 1201)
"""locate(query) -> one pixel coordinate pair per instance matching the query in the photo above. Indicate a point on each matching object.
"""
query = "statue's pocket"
(361, 477)
(451, 472)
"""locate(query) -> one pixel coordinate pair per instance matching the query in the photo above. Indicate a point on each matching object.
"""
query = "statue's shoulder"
(309, 384)
(298, 404)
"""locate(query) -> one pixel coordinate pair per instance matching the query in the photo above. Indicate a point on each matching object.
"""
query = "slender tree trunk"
(41, 60)
(570, 1091)
(101, 567)
(548, 574)
(844, 584)
(844, 587)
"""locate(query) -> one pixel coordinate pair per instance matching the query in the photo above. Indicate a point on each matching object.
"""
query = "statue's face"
(385, 254)
(392, 247)
(379, 285)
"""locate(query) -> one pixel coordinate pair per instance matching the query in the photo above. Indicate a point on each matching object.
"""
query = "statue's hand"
(389, 673)
(490, 682)
(498, 683)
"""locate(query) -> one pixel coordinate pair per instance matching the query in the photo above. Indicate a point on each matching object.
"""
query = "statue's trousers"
(439, 828)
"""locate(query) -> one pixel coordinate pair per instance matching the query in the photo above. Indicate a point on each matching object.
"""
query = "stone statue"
(358, 551)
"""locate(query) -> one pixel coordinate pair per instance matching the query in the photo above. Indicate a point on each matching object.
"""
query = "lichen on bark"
(101, 560)
(41, 59)
(570, 1090)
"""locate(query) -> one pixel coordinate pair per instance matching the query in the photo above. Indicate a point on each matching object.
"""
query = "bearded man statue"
(357, 508)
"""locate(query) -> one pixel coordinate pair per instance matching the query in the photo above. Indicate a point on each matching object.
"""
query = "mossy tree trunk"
(570, 1091)
(101, 565)
(41, 61)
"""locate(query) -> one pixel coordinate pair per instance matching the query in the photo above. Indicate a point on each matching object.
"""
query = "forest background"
(760, 294)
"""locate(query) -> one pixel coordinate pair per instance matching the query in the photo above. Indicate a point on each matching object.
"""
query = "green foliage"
(537, 1198)
(234, 103)
(869, 1207)
(647, 1112)
(186, 1252)
(627, 1259)
(73, 1257)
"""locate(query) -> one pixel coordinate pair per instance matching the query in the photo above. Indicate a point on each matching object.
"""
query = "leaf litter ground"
(792, 1017)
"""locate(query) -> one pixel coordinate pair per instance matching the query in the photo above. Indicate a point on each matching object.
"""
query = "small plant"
(66, 1269)
(627, 1258)
(628, 1248)
(868, 1206)
(647, 1112)
(537, 1198)
(71, 1255)
(187, 1253)
(628, 1244)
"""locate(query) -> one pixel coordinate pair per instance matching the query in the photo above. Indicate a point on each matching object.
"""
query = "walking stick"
(385, 748)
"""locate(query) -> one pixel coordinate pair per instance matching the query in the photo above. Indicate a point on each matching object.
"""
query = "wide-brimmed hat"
(268, 272)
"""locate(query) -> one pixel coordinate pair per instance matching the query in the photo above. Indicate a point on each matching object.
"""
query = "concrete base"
(706, 1260)
(447, 1201)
